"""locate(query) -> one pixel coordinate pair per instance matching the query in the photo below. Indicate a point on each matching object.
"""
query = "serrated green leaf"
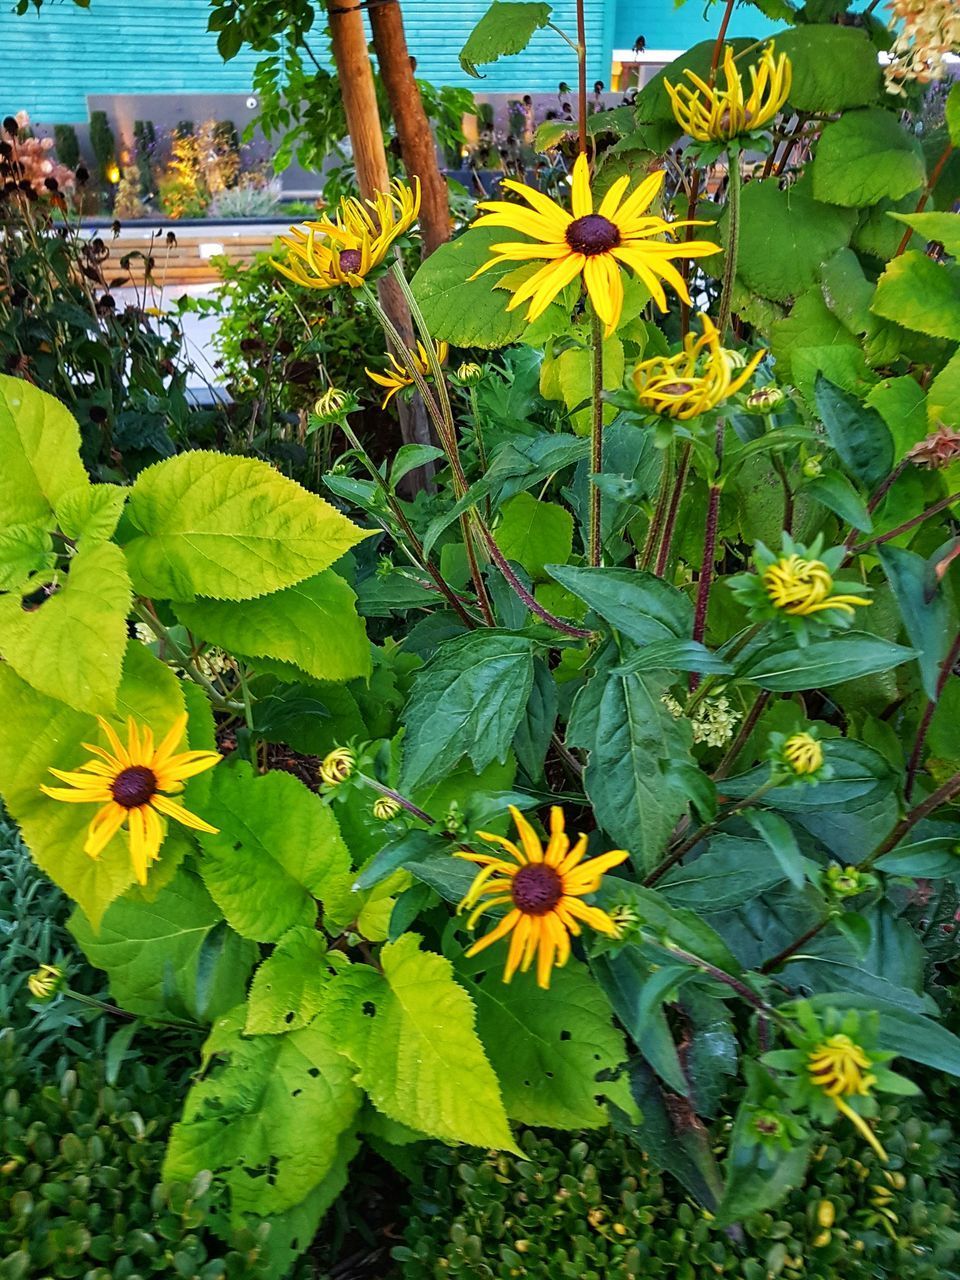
(534, 533)
(505, 28)
(278, 850)
(468, 700)
(458, 309)
(24, 549)
(784, 667)
(640, 605)
(288, 988)
(91, 511)
(943, 398)
(834, 68)
(40, 448)
(785, 237)
(866, 156)
(548, 1047)
(268, 1121)
(313, 625)
(228, 528)
(936, 228)
(857, 432)
(410, 1033)
(152, 952)
(920, 294)
(952, 114)
(71, 646)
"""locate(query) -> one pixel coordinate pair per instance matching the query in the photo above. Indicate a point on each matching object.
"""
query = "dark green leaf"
(412, 846)
(757, 1179)
(782, 843)
(505, 28)
(640, 605)
(532, 739)
(857, 432)
(637, 991)
(674, 655)
(931, 859)
(923, 608)
(836, 492)
(784, 666)
(731, 872)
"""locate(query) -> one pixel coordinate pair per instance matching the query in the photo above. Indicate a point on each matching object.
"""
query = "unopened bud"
(765, 399)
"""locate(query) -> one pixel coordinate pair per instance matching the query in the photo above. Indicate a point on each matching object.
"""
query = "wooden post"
(414, 134)
(355, 76)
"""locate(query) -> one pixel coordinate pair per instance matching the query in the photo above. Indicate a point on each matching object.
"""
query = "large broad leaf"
(923, 608)
(288, 988)
(468, 700)
(784, 666)
(313, 625)
(267, 1122)
(534, 533)
(91, 511)
(639, 605)
(535, 730)
(921, 294)
(935, 228)
(834, 68)
(866, 156)
(71, 645)
(410, 1033)
(757, 1178)
(277, 852)
(40, 448)
(160, 955)
(733, 870)
(633, 747)
(548, 1047)
(38, 733)
(944, 393)
(458, 309)
(505, 28)
(229, 528)
(858, 433)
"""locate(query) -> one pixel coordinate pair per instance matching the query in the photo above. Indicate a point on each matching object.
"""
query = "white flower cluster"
(713, 720)
(927, 30)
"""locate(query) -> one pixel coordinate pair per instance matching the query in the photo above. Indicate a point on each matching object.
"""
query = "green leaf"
(40, 448)
(24, 549)
(809, 326)
(413, 846)
(920, 294)
(468, 700)
(785, 236)
(410, 1033)
(505, 28)
(410, 456)
(923, 608)
(866, 156)
(675, 655)
(71, 646)
(858, 433)
(731, 871)
(548, 1047)
(756, 1178)
(229, 528)
(952, 113)
(288, 988)
(943, 399)
(534, 533)
(634, 745)
(638, 992)
(267, 1122)
(834, 68)
(313, 625)
(837, 494)
(152, 952)
(935, 228)
(461, 310)
(782, 844)
(38, 733)
(928, 859)
(783, 666)
(639, 605)
(657, 915)
(91, 511)
(531, 741)
(278, 849)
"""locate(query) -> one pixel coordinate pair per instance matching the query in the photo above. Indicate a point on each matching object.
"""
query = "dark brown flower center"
(134, 786)
(592, 235)
(351, 260)
(677, 388)
(537, 889)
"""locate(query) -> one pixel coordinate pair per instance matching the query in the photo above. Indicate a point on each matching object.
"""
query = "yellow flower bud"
(337, 766)
(803, 753)
(385, 808)
(46, 982)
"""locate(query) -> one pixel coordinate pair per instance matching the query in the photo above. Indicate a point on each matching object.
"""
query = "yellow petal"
(611, 201)
(171, 741)
(582, 200)
(103, 828)
(177, 811)
(528, 837)
(517, 943)
(500, 931)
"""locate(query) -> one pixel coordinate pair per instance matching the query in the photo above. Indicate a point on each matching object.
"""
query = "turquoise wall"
(52, 60)
(664, 26)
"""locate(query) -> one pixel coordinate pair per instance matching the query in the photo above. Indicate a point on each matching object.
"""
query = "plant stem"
(659, 511)
(596, 447)
(666, 541)
(932, 510)
(558, 624)
(248, 713)
(581, 79)
(781, 471)
(740, 741)
(401, 800)
(709, 551)
(934, 178)
(686, 845)
(733, 239)
(721, 975)
(143, 610)
(946, 670)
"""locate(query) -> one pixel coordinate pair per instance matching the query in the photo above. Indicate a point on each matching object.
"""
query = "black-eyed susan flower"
(45, 982)
(337, 766)
(803, 753)
(797, 588)
(133, 783)
(386, 808)
(696, 380)
(343, 250)
(765, 400)
(708, 113)
(470, 373)
(332, 405)
(594, 244)
(399, 375)
(543, 890)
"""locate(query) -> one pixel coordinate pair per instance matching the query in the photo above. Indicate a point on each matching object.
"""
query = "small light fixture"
(252, 103)
(113, 174)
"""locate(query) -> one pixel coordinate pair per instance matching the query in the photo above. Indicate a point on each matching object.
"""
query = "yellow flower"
(399, 376)
(337, 766)
(45, 983)
(346, 248)
(470, 373)
(331, 403)
(385, 808)
(696, 380)
(803, 753)
(710, 114)
(840, 1068)
(801, 587)
(595, 245)
(543, 889)
(129, 784)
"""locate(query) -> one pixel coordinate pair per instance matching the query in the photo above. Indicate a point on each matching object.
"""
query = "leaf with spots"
(288, 988)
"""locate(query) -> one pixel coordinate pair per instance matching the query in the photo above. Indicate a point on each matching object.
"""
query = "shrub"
(102, 142)
(248, 199)
(67, 145)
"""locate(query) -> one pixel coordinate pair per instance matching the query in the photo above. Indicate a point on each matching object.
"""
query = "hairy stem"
(659, 510)
(709, 552)
(581, 78)
(733, 240)
(934, 178)
(946, 670)
(663, 558)
(880, 538)
(558, 624)
(707, 827)
(596, 447)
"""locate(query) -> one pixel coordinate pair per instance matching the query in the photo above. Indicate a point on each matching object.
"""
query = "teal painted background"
(665, 26)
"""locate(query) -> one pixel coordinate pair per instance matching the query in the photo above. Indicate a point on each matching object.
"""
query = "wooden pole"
(417, 145)
(355, 74)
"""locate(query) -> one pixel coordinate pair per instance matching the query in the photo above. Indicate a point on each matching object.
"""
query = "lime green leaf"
(810, 324)
(288, 988)
(466, 312)
(91, 511)
(943, 399)
(834, 68)
(785, 236)
(278, 849)
(505, 28)
(534, 533)
(230, 528)
(935, 228)
(575, 377)
(313, 625)
(152, 951)
(921, 294)
(785, 667)
(268, 1121)
(38, 733)
(410, 1033)
(468, 700)
(71, 646)
(859, 434)
(866, 156)
(40, 448)
(24, 549)
(953, 114)
(548, 1047)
